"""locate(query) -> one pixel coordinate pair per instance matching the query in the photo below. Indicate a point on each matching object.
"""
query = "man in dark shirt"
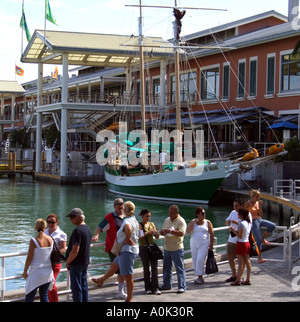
(78, 255)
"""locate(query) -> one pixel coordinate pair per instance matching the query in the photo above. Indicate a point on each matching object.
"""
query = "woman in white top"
(60, 239)
(40, 274)
(202, 239)
(242, 249)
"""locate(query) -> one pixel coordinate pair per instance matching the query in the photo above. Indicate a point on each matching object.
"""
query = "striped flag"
(19, 71)
(23, 24)
(49, 15)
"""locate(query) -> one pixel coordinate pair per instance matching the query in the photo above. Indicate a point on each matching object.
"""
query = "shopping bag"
(211, 264)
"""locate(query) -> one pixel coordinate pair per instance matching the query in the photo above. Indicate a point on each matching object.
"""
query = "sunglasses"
(51, 222)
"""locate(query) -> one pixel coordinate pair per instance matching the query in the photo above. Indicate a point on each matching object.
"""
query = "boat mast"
(177, 85)
(142, 71)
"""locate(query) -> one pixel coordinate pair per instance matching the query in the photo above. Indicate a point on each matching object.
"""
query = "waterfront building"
(248, 70)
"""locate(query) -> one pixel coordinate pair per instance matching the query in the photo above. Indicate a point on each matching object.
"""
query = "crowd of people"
(134, 238)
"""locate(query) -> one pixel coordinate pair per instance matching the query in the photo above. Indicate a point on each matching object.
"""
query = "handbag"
(56, 256)
(253, 247)
(211, 264)
(154, 251)
(117, 247)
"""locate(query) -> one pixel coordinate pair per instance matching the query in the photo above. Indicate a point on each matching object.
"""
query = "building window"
(290, 72)
(210, 82)
(156, 91)
(226, 81)
(253, 77)
(188, 88)
(271, 75)
(242, 77)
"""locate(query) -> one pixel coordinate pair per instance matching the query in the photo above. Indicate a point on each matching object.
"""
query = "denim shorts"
(125, 261)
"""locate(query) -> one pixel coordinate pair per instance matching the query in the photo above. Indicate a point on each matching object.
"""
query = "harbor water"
(23, 201)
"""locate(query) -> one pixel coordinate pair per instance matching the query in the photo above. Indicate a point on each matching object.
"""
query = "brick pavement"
(271, 282)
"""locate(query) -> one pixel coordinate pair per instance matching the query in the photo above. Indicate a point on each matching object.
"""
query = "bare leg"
(130, 285)
(111, 271)
(241, 267)
(248, 265)
(231, 259)
(265, 235)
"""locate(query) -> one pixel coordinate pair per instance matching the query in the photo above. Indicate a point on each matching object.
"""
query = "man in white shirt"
(233, 221)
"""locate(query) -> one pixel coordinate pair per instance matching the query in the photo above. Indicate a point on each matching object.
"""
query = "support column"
(102, 90)
(63, 148)
(128, 84)
(38, 156)
(1, 118)
(163, 71)
(39, 120)
(13, 114)
(65, 80)
(64, 118)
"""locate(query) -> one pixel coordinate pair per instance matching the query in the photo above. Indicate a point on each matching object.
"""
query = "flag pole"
(22, 31)
(45, 22)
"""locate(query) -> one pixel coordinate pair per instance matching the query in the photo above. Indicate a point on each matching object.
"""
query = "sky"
(111, 17)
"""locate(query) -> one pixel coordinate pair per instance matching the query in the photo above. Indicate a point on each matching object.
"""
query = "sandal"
(96, 280)
(231, 279)
(246, 283)
(237, 283)
(266, 242)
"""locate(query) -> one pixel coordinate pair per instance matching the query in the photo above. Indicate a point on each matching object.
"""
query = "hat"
(118, 201)
(76, 212)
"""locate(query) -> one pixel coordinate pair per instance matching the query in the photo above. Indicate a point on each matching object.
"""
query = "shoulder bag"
(117, 247)
(253, 246)
(56, 256)
(154, 251)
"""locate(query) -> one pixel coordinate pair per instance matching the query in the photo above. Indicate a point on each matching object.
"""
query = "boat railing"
(286, 244)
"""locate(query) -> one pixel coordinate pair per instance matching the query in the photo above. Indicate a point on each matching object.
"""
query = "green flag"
(49, 15)
(23, 24)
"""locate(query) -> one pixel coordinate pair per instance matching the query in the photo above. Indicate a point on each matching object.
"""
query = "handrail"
(3, 278)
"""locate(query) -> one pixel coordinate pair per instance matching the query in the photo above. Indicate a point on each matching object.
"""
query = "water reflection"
(24, 201)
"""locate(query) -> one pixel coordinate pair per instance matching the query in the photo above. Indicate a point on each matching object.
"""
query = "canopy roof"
(217, 117)
(8, 88)
(91, 49)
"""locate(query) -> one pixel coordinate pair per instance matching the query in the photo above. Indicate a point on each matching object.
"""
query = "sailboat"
(194, 184)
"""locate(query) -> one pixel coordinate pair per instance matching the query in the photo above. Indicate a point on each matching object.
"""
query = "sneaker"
(180, 290)
(149, 292)
(199, 281)
(122, 296)
(157, 292)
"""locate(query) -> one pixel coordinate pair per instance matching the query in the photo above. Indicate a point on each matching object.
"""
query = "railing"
(294, 229)
(286, 244)
(289, 186)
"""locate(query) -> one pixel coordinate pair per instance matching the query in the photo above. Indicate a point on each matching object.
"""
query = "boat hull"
(176, 186)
